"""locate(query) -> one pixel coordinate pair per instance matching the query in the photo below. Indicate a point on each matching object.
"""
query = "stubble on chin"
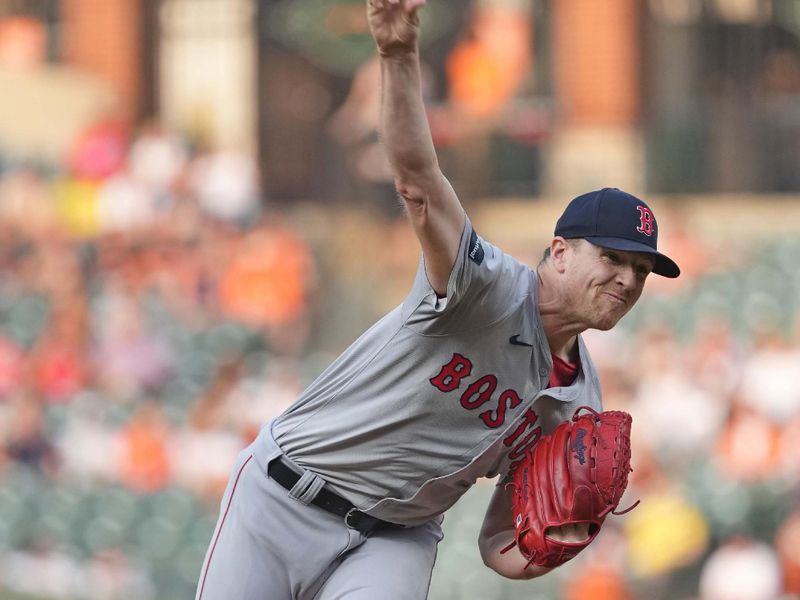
(603, 324)
(607, 320)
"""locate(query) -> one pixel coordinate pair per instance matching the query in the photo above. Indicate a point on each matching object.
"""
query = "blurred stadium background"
(196, 216)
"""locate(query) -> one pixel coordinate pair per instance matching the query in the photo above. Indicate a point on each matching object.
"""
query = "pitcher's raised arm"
(433, 207)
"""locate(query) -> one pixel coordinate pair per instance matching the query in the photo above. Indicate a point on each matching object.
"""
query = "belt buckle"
(349, 514)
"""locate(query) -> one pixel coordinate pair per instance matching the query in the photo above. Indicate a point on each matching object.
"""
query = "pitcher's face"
(603, 284)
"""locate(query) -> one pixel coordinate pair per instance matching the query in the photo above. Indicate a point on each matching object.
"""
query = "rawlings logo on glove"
(576, 476)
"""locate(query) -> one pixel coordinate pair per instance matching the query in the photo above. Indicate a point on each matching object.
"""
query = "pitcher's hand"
(394, 24)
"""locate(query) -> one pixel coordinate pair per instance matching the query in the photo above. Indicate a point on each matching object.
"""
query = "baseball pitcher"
(480, 372)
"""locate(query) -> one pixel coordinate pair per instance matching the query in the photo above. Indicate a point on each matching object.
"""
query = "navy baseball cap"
(615, 219)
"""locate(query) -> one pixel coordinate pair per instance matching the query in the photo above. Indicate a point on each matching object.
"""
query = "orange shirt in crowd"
(144, 458)
(597, 583)
(487, 68)
(265, 284)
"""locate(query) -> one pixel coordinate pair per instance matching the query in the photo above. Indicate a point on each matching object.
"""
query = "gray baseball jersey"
(438, 393)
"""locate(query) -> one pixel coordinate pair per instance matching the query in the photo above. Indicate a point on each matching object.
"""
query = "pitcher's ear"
(559, 251)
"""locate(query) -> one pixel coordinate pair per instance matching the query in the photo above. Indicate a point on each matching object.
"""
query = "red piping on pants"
(216, 537)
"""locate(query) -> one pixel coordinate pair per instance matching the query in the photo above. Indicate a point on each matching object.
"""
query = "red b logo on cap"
(647, 221)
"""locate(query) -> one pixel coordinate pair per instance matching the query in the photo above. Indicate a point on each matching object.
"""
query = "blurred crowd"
(153, 314)
(147, 276)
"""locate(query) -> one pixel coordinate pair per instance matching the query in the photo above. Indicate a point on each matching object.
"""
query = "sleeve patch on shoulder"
(475, 248)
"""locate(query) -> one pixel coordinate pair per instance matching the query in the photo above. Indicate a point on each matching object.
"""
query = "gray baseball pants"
(270, 545)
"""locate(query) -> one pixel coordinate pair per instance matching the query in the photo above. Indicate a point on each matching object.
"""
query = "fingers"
(570, 532)
(394, 24)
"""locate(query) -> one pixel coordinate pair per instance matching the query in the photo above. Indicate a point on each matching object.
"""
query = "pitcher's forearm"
(404, 122)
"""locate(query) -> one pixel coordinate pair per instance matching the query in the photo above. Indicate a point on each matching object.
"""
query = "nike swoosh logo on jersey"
(514, 339)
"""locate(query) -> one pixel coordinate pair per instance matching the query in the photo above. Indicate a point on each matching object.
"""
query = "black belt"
(330, 501)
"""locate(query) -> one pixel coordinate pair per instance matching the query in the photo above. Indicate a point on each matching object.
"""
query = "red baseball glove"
(576, 475)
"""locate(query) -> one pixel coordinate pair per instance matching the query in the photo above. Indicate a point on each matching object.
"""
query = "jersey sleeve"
(485, 284)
